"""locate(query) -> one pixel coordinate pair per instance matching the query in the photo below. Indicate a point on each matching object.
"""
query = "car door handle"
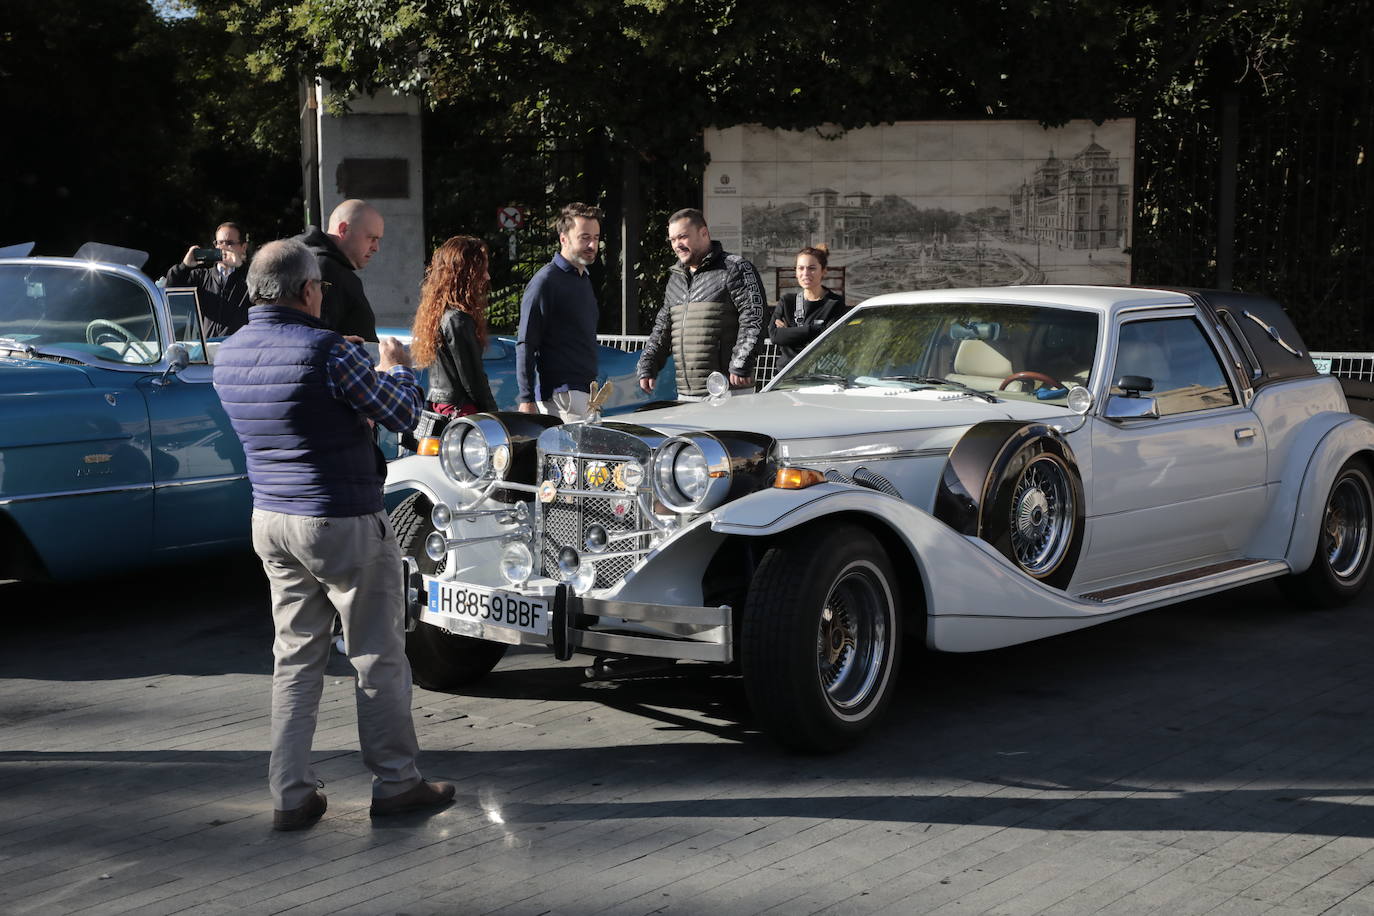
(1245, 432)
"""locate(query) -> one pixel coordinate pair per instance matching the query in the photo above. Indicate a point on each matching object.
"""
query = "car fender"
(418, 472)
(1325, 443)
(963, 577)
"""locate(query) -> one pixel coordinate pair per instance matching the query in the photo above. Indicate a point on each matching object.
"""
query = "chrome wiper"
(840, 380)
(937, 380)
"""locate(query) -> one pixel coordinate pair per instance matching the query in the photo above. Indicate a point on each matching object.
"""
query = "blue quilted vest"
(308, 452)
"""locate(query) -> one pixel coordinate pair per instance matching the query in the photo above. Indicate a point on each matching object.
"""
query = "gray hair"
(280, 270)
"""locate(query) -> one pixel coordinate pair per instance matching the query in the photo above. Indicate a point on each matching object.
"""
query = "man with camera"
(219, 274)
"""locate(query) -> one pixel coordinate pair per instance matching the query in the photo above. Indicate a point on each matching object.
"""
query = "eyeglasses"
(227, 243)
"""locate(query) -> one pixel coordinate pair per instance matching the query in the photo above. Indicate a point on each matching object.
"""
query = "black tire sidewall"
(1320, 582)
(438, 661)
(780, 630)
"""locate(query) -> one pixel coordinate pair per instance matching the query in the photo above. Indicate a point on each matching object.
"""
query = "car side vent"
(863, 477)
(866, 478)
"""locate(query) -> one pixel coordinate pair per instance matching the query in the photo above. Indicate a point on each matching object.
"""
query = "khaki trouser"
(318, 567)
(569, 406)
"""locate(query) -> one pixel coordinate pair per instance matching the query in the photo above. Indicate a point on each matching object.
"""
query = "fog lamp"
(517, 563)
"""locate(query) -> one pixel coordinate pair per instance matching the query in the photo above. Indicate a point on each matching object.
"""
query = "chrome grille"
(565, 520)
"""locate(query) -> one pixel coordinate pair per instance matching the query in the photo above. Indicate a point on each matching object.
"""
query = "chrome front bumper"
(594, 626)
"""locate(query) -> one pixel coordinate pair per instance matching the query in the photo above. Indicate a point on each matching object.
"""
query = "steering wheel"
(131, 342)
(1032, 376)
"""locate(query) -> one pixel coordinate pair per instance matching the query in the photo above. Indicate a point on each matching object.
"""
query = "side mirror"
(1134, 384)
(177, 359)
(1130, 407)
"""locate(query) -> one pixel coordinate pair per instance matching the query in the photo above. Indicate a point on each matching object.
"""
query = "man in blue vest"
(301, 399)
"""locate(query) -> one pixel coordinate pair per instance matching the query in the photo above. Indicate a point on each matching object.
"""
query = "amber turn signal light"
(428, 446)
(797, 478)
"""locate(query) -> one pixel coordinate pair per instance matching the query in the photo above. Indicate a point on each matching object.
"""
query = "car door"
(203, 500)
(1181, 490)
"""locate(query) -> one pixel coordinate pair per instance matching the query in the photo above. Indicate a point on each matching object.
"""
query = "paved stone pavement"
(1216, 757)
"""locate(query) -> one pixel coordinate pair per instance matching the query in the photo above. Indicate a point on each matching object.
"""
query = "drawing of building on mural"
(1076, 204)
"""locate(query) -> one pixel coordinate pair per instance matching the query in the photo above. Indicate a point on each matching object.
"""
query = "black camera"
(207, 255)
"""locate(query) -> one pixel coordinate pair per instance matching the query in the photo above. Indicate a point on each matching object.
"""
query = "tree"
(128, 128)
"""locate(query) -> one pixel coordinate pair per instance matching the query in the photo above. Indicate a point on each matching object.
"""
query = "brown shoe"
(304, 816)
(419, 797)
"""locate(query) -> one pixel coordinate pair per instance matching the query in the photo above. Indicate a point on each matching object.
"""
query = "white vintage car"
(973, 468)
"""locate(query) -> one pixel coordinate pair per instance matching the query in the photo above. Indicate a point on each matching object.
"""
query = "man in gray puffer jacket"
(712, 312)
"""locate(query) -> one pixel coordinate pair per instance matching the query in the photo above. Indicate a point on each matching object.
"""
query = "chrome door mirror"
(1127, 407)
(178, 358)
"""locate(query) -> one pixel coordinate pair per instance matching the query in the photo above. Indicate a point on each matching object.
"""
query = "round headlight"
(474, 450)
(517, 563)
(476, 453)
(691, 473)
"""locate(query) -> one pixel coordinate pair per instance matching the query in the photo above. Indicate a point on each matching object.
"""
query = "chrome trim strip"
(197, 481)
(135, 488)
(132, 488)
(869, 456)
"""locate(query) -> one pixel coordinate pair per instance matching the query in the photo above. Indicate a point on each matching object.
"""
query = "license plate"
(481, 608)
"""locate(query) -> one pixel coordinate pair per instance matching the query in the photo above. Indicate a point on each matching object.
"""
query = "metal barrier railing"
(767, 365)
(1345, 364)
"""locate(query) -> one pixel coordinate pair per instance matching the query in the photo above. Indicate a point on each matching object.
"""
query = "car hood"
(32, 376)
(855, 419)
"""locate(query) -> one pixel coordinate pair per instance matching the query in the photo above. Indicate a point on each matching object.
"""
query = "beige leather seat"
(978, 365)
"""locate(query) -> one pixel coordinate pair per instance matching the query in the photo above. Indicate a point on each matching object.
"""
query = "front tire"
(1340, 565)
(438, 660)
(821, 638)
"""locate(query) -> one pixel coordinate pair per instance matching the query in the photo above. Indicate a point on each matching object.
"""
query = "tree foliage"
(125, 127)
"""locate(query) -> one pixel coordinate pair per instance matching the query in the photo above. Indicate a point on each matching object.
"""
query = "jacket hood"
(319, 241)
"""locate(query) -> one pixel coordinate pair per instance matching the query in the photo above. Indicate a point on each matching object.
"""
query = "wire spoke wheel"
(852, 639)
(1042, 515)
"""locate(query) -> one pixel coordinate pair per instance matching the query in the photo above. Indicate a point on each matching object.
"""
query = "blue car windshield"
(992, 349)
(83, 312)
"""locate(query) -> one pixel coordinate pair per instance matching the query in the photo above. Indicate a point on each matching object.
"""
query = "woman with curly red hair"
(450, 329)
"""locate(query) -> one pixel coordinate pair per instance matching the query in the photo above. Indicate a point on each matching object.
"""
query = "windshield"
(1018, 351)
(80, 311)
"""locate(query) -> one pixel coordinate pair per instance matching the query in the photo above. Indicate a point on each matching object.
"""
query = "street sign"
(511, 217)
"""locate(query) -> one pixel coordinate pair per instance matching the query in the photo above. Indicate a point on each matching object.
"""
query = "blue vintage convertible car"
(114, 450)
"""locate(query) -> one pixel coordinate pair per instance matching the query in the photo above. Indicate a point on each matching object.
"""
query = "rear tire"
(438, 660)
(1340, 565)
(821, 638)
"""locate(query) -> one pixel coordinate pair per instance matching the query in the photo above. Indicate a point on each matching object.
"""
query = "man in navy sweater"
(555, 353)
(301, 399)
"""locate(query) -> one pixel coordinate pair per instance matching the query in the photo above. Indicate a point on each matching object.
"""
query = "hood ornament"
(596, 399)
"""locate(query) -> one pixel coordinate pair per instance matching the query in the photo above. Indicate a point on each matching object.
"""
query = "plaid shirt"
(392, 400)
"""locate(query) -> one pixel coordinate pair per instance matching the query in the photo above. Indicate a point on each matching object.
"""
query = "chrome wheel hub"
(1042, 512)
(1345, 528)
(852, 641)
